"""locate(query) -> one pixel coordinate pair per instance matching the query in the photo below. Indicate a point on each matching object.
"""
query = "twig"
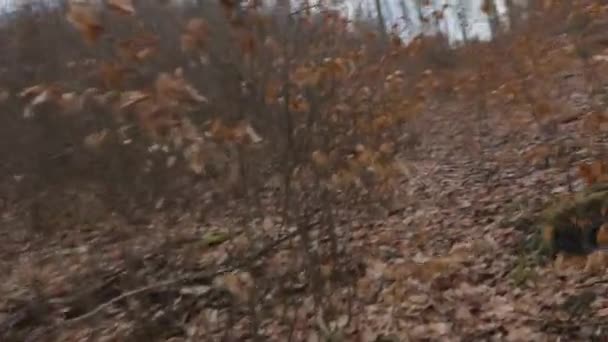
(135, 292)
(593, 283)
(192, 276)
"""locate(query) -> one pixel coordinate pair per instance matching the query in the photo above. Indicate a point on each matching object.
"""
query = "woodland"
(230, 170)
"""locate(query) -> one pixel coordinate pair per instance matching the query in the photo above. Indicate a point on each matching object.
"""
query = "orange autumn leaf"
(195, 35)
(305, 76)
(593, 172)
(131, 98)
(219, 131)
(154, 119)
(172, 88)
(137, 48)
(85, 18)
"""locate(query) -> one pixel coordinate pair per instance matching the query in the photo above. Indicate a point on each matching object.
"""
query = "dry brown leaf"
(131, 98)
(95, 140)
(440, 328)
(122, 6)
(593, 172)
(85, 18)
(173, 89)
(597, 263)
(305, 76)
(254, 137)
(47, 95)
(195, 35)
(239, 284)
(320, 159)
(523, 334)
(193, 156)
(71, 103)
(32, 91)
(145, 53)
(602, 312)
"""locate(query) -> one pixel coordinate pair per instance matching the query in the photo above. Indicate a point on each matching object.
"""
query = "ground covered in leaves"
(449, 263)
(453, 256)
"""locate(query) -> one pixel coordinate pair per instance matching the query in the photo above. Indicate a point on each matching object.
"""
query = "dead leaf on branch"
(155, 119)
(193, 155)
(39, 95)
(172, 89)
(138, 48)
(242, 132)
(32, 91)
(337, 68)
(85, 18)
(94, 140)
(195, 35)
(254, 137)
(71, 103)
(320, 159)
(122, 6)
(131, 98)
(305, 76)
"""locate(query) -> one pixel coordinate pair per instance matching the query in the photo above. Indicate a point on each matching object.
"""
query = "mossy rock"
(581, 209)
(583, 204)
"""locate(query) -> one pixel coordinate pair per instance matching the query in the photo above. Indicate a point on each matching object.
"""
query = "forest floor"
(451, 265)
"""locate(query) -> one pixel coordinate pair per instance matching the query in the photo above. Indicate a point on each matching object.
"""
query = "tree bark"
(463, 21)
(493, 19)
(381, 21)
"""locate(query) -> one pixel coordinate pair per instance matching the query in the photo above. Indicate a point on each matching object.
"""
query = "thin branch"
(188, 277)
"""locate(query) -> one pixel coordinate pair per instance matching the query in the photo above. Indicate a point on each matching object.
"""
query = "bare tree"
(381, 20)
(514, 11)
(463, 19)
(418, 4)
(405, 14)
(489, 7)
(389, 15)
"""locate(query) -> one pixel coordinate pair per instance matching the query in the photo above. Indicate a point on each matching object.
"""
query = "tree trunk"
(514, 11)
(381, 21)
(493, 20)
(463, 21)
(405, 14)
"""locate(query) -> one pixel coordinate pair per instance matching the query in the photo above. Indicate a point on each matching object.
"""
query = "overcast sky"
(478, 20)
(392, 10)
